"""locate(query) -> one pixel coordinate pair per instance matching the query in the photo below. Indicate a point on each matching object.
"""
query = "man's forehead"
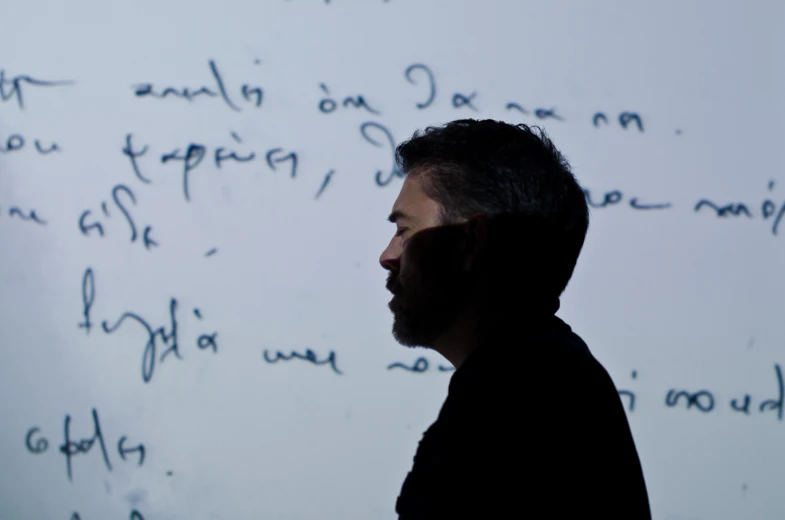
(411, 193)
(412, 202)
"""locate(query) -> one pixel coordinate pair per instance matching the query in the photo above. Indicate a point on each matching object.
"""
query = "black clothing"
(532, 427)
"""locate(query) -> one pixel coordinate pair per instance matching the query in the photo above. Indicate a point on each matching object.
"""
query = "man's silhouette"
(490, 223)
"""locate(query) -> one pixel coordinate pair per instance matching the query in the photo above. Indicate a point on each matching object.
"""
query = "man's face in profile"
(428, 285)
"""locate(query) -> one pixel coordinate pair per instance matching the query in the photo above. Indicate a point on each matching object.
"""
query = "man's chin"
(406, 340)
(406, 335)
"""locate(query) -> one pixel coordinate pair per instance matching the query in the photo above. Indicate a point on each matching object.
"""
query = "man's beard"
(425, 303)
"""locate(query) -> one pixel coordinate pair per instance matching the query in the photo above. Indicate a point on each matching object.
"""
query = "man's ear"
(475, 237)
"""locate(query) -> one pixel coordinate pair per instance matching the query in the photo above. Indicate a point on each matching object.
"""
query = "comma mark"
(169, 473)
(678, 131)
(325, 183)
(211, 252)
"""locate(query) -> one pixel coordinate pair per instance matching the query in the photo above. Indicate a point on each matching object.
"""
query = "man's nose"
(391, 257)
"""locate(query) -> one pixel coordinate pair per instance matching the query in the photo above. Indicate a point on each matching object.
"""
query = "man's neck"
(459, 340)
(469, 330)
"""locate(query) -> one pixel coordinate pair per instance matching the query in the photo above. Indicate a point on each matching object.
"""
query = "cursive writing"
(37, 444)
(29, 215)
(309, 356)
(769, 210)
(706, 401)
(157, 337)
(252, 94)
(17, 143)
(419, 366)
(12, 88)
(121, 196)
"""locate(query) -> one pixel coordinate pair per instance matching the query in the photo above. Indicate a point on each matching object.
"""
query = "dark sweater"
(532, 427)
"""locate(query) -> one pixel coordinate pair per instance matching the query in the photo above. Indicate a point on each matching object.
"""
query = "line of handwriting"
(191, 156)
(614, 197)
(122, 196)
(28, 215)
(36, 443)
(17, 143)
(252, 94)
(769, 210)
(167, 337)
(420, 365)
(705, 401)
(13, 87)
(309, 356)
(419, 75)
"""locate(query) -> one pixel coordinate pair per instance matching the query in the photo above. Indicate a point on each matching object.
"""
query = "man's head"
(460, 179)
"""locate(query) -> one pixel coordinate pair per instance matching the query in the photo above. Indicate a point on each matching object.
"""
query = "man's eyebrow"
(397, 215)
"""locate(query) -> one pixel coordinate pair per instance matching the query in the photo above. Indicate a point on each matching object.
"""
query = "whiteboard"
(217, 176)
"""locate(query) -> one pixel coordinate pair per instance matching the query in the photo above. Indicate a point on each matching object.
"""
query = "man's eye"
(400, 232)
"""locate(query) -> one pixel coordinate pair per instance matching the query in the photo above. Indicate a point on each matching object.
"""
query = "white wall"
(688, 300)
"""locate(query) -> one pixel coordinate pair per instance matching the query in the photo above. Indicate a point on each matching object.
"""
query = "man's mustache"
(393, 284)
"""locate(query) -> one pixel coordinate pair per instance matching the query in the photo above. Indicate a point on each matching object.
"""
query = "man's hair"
(494, 168)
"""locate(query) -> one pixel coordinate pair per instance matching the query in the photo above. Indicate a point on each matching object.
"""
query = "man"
(490, 222)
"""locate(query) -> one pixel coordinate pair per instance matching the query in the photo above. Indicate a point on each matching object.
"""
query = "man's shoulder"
(558, 339)
(569, 358)
(550, 378)
(552, 354)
